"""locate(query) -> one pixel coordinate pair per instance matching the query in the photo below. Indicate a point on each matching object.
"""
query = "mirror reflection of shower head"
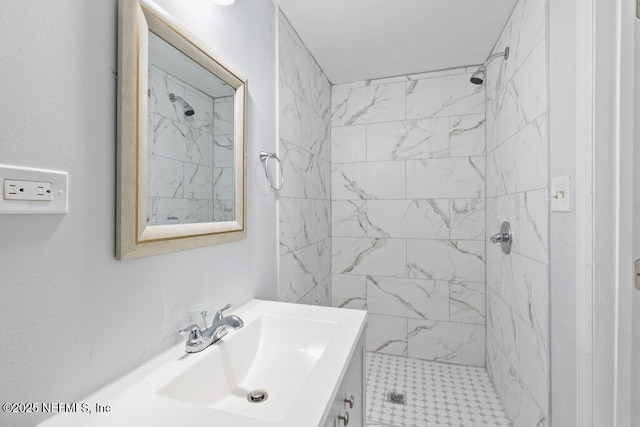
(480, 75)
(188, 109)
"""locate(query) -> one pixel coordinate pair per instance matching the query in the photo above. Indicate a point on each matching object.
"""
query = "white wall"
(73, 318)
(562, 125)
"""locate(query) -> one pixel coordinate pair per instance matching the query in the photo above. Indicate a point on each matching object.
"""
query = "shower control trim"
(504, 237)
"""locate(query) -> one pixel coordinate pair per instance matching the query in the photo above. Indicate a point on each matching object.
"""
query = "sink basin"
(296, 353)
(274, 354)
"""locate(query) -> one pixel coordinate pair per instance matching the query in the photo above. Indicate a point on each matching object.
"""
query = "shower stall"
(393, 188)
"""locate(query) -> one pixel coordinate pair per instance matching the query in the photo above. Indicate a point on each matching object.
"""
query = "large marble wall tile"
(494, 268)
(517, 190)
(387, 334)
(410, 139)
(446, 260)
(516, 399)
(203, 106)
(166, 178)
(319, 295)
(459, 177)
(290, 113)
(160, 86)
(417, 175)
(315, 220)
(528, 214)
(223, 152)
(371, 180)
(222, 118)
(467, 135)
(298, 69)
(178, 141)
(521, 163)
(307, 175)
(198, 182)
(467, 219)
(170, 140)
(447, 342)
(534, 365)
(523, 283)
(520, 101)
(504, 325)
(166, 211)
(349, 291)
(413, 298)
(304, 269)
(223, 183)
(223, 210)
(445, 96)
(291, 234)
(349, 218)
(305, 150)
(314, 133)
(369, 104)
(348, 144)
(467, 302)
(380, 257)
(525, 29)
(417, 218)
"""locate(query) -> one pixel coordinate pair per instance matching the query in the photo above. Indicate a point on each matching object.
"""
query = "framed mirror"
(181, 121)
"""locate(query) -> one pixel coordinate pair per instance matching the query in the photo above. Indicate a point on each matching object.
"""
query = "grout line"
(410, 120)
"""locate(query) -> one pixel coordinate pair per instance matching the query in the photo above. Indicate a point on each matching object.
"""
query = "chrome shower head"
(188, 109)
(480, 75)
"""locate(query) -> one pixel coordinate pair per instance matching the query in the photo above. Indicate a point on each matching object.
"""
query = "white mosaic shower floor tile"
(436, 394)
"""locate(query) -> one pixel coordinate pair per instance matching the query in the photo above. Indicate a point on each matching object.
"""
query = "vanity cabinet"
(353, 384)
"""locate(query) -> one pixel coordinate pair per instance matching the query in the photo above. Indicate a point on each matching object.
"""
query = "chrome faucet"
(200, 339)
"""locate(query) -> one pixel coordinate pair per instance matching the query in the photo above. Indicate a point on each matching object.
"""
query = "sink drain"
(257, 396)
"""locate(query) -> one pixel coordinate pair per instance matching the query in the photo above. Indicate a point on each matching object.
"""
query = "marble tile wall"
(517, 170)
(408, 208)
(190, 159)
(305, 199)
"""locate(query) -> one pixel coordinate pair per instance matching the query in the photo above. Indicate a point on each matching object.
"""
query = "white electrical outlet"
(27, 190)
(560, 194)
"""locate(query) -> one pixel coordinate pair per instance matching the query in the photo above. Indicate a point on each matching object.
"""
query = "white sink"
(273, 353)
(296, 353)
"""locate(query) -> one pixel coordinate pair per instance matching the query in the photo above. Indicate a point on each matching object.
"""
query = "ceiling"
(365, 39)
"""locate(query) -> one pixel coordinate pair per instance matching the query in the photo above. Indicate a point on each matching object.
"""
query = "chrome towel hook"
(264, 158)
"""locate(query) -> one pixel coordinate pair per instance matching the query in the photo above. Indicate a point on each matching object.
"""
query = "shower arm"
(504, 55)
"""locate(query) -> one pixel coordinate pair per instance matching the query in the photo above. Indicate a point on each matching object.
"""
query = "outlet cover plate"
(55, 203)
(561, 194)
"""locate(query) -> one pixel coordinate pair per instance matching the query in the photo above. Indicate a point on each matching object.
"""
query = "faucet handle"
(218, 316)
(204, 318)
(194, 331)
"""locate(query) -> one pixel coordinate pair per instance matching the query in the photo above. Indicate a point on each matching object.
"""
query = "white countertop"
(134, 399)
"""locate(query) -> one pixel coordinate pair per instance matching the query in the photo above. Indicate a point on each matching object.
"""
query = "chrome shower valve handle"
(504, 237)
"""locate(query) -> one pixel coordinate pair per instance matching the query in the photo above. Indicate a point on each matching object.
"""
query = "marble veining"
(368, 104)
(408, 209)
(410, 139)
(517, 181)
(190, 159)
(305, 150)
(446, 96)
(412, 298)
(447, 342)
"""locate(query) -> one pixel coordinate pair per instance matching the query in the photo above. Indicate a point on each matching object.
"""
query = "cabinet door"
(336, 407)
(353, 384)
